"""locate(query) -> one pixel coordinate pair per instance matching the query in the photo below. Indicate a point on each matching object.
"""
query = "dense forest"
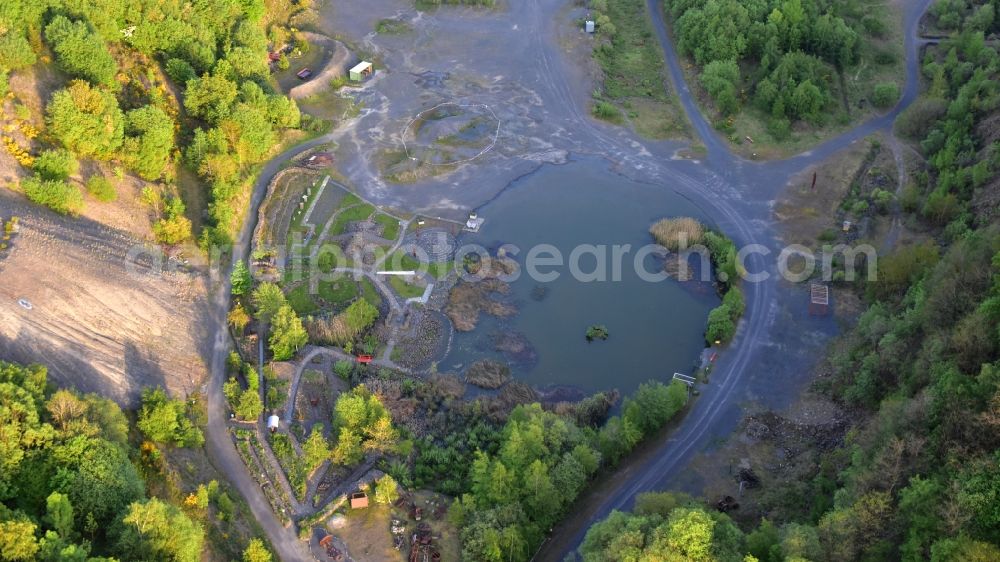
(74, 483)
(780, 57)
(151, 85)
(514, 475)
(917, 477)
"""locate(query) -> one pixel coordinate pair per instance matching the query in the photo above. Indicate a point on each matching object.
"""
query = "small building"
(304, 74)
(361, 71)
(474, 222)
(588, 26)
(359, 500)
(819, 299)
(272, 423)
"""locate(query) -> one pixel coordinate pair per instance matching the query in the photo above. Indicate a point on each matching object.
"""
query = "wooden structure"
(819, 299)
(361, 71)
(304, 74)
(688, 380)
(332, 552)
(359, 500)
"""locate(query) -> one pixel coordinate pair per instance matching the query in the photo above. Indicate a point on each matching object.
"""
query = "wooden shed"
(359, 500)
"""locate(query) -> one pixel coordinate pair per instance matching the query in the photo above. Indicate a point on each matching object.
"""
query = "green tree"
(86, 120)
(55, 164)
(287, 334)
(149, 139)
(250, 405)
(238, 318)
(210, 97)
(256, 552)
(59, 514)
(180, 70)
(165, 421)
(80, 52)
(653, 403)
(720, 78)
(15, 51)
(885, 94)
(173, 228)
(360, 315)
(361, 423)
(17, 540)
(267, 299)
(386, 490)
(348, 450)
(240, 279)
(157, 530)
(315, 447)
(721, 327)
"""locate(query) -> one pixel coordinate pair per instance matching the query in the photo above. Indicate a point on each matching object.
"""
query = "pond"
(654, 328)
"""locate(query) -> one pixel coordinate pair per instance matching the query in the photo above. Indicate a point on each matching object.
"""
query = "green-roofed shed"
(361, 71)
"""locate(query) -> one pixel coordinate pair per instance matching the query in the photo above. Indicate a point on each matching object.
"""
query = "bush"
(165, 421)
(779, 128)
(735, 302)
(174, 227)
(883, 199)
(55, 164)
(885, 95)
(101, 188)
(721, 327)
(607, 111)
(653, 404)
(57, 195)
(180, 71)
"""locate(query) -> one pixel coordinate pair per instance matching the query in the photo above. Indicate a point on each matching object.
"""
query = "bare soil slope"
(102, 320)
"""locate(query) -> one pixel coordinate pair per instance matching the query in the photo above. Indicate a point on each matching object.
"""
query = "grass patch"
(390, 226)
(405, 290)
(370, 293)
(402, 261)
(348, 215)
(634, 88)
(338, 293)
(301, 301)
(390, 26)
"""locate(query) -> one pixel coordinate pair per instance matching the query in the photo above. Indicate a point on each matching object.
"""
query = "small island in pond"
(597, 332)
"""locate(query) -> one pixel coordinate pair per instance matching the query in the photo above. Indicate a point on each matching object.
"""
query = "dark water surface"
(656, 328)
